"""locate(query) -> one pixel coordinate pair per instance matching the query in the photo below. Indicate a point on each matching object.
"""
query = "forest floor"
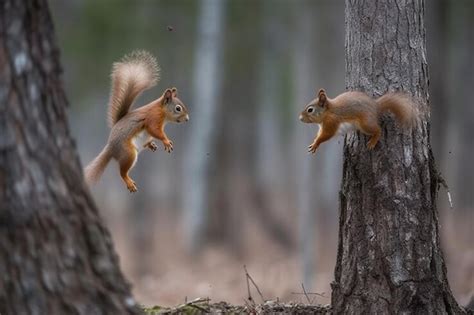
(203, 306)
(224, 277)
(168, 277)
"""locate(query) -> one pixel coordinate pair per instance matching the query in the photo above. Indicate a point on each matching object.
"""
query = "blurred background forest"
(239, 187)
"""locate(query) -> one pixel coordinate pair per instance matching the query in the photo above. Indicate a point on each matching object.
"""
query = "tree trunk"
(56, 256)
(303, 76)
(438, 47)
(462, 66)
(205, 95)
(312, 64)
(266, 189)
(389, 257)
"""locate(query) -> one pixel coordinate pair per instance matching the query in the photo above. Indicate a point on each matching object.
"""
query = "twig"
(199, 300)
(250, 307)
(254, 284)
(312, 293)
(202, 309)
(193, 304)
(306, 294)
(248, 286)
(443, 183)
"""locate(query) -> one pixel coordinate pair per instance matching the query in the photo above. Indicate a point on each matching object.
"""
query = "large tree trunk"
(389, 257)
(56, 256)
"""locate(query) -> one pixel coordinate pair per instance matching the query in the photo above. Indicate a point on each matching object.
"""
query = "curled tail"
(132, 75)
(401, 105)
(94, 169)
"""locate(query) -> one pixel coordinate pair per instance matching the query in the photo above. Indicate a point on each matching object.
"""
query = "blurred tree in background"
(206, 89)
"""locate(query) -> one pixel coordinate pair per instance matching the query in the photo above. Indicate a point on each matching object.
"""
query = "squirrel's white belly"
(140, 139)
(345, 128)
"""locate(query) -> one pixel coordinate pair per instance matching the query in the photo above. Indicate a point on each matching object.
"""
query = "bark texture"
(389, 256)
(56, 256)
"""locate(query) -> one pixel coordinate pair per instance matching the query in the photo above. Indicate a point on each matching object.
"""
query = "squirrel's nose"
(187, 118)
(301, 117)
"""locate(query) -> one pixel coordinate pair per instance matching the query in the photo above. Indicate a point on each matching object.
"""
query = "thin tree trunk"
(266, 189)
(438, 49)
(462, 67)
(268, 126)
(302, 78)
(56, 256)
(207, 77)
(389, 257)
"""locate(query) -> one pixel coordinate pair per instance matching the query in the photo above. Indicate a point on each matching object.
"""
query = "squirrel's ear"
(322, 97)
(174, 92)
(167, 96)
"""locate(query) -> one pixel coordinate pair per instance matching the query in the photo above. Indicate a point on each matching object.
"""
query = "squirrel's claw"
(371, 144)
(152, 146)
(312, 148)
(132, 187)
(168, 146)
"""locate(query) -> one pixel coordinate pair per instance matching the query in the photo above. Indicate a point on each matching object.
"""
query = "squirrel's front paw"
(312, 147)
(168, 145)
(152, 146)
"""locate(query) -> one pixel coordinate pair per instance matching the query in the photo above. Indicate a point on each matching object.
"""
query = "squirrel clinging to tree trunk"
(356, 110)
(134, 130)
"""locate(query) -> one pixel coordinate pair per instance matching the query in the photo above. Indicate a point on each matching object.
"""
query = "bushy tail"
(132, 75)
(402, 105)
(94, 170)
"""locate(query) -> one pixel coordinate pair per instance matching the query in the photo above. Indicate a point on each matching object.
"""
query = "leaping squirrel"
(134, 130)
(357, 110)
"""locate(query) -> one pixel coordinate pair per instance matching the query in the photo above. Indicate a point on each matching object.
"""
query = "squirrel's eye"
(310, 110)
(177, 108)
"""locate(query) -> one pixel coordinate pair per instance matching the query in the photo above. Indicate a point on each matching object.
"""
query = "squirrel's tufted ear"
(174, 91)
(167, 96)
(322, 97)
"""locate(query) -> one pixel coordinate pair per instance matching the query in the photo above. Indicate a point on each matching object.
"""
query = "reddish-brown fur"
(130, 77)
(357, 109)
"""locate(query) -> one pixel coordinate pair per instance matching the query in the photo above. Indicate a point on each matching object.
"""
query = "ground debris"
(204, 306)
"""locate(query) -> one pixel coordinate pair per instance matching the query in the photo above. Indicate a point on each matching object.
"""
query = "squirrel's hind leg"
(373, 130)
(126, 162)
(374, 139)
(150, 144)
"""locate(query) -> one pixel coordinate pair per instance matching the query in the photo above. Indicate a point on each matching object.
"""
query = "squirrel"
(356, 110)
(134, 130)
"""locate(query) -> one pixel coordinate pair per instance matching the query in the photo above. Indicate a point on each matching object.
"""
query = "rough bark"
(389, 256)
(56, 256)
